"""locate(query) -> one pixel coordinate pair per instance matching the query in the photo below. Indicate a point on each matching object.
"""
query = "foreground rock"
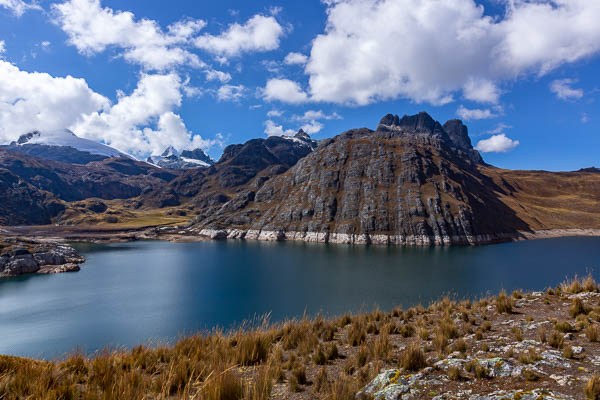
(21, 256)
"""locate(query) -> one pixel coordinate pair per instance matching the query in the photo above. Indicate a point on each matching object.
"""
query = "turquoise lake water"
(152, 292)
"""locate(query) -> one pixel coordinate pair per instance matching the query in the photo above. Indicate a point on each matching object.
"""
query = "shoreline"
(180, 234)
(520, 346)
(394, 240)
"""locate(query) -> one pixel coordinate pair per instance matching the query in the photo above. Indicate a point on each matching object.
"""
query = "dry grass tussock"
(309, 357)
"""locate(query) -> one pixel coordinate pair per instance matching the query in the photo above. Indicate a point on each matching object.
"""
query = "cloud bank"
(432, 51)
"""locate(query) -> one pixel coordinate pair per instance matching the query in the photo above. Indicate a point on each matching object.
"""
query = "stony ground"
(541, 346)
(519, 346)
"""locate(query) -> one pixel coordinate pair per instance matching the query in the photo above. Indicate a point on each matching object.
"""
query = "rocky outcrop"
(21, 256)
(411, 181)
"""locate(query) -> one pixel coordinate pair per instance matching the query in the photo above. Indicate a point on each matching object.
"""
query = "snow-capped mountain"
(63, 145)
(171, 158)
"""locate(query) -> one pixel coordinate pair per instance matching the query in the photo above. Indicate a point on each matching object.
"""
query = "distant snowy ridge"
(65, 137)
(171, 158)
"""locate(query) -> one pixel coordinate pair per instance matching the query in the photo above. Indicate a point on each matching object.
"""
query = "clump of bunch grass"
(592, 332)
(504, 304)
(413, 358)
(578, 308)
(592, 388)
(357, 333)
(579, 285)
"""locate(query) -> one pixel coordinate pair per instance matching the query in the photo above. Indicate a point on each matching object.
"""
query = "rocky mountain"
(35, 191)
(62, 145)
(171, 158)
(411, 181)
(204, 190)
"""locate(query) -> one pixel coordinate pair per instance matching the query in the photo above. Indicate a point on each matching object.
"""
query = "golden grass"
(592, 388)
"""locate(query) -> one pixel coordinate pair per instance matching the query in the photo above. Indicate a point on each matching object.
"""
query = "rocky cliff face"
(411, 181)
(21, 256)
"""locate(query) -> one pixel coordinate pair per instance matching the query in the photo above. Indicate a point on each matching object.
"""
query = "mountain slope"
(35, 191)
(205, 190)
(63, 145)
(411, 181)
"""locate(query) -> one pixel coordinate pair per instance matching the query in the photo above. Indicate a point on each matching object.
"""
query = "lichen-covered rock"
(554, 358)
(535, 394)
(495, 367)
(389, 385)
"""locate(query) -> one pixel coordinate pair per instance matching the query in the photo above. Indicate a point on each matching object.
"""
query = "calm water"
(142, 292)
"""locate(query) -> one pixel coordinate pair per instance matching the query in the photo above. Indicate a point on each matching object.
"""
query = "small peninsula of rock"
(21, 256)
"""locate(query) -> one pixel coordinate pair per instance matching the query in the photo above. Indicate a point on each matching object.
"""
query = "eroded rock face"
(408, 182)
(20, 257)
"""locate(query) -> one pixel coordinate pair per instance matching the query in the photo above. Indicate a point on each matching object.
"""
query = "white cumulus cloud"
(18, 7)
(312, 127)
(35, 100)
(563, 89)
(316, 115)
(496, 144)
(474, 113)
(432, 51)
(274, 113)
(284, 90)
(259, 33)
(272, 129)
(230, 92)
(295, 59)
(213, 75)
(92, 28)
(144, 121)
(2, 46)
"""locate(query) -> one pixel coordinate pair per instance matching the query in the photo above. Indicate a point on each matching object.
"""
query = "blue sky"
(144, 74)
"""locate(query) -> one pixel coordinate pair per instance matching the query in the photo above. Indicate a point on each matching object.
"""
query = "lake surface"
(142, 292)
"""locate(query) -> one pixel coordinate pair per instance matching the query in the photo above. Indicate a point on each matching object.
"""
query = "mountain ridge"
(412, 180)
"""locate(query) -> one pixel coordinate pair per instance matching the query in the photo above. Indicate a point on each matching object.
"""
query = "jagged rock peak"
(458, 133)
(170, 152)
(453, 134)
(419, 123)
(302, 135)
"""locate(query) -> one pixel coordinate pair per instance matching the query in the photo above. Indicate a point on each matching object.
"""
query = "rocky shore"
(391, 240)
(192, 234)
(20, 256)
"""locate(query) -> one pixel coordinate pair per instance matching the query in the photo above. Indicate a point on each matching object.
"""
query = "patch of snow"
(296, 140)
(65, 137)
(194, 161)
